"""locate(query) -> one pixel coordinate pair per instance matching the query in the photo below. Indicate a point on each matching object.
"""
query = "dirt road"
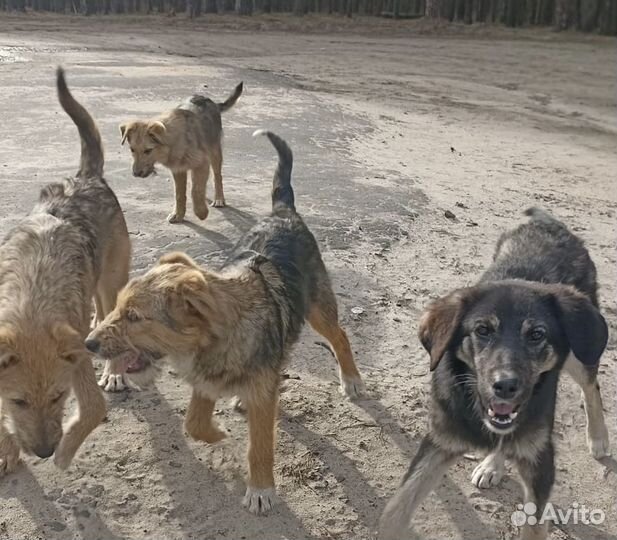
(388, 133)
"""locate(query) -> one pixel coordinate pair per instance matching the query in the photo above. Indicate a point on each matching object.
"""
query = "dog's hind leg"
(425, 470)
(114, 276)
(597, 434)
(91, 411)
(323, 317)
(199, 180)
(216, 158)
(98, 309)
(538, 475)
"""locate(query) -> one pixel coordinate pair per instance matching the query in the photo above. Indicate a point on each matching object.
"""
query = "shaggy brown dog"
(188, 138)
(72, 247)
(231, 332)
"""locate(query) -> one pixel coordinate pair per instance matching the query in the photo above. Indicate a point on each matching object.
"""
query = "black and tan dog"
(72, 247)
(230, 332)
(496, 353)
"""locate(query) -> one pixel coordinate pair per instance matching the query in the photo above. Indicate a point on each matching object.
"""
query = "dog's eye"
(148, 151)
(536, 335)
(58, 397)
(483, 330)
(20, 403)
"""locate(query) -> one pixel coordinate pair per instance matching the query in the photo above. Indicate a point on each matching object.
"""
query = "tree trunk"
(299, 7)
(588, 15)
(564, 14)
(244, 7)
(607, 18)
(468, 16)
(434, 8)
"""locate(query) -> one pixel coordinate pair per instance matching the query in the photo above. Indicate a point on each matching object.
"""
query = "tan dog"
(188, 138)
(230, 333)
(72, 247)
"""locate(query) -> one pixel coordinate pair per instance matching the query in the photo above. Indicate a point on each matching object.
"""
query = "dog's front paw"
(218, 203)
(9, 455)
(63, 458)
(112, 382)
(489, 473)
(353, 388)
(210, 435)
(599, 448)
(117, 382)
(175, 217)
(258, 501)
(201, 211)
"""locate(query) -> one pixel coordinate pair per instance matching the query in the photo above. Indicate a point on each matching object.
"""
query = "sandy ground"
(388, 132)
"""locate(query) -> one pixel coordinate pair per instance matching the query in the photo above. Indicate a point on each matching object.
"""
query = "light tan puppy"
(187, 138)
(72, 247)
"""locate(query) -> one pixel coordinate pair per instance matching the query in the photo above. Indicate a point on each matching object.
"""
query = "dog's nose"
(44, 451)
(93, 345)
(506, 388)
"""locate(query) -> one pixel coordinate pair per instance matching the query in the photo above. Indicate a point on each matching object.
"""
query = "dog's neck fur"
(238, 299)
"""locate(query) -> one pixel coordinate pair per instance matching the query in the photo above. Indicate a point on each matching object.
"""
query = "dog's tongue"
(502, 409)
(136, 364)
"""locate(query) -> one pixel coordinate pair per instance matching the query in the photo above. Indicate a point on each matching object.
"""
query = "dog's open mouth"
(136, 361)
(502, 414)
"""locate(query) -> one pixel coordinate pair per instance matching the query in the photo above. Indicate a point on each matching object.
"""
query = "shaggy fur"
(72, 247)
(230, 332)
(496, 354)
(188, 138)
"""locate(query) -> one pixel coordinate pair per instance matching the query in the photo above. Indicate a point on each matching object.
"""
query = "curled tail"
(92, 160)
(231, 100)
(282, 193)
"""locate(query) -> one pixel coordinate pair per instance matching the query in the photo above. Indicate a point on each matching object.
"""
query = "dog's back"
(544, 250)
(204, 115)
(283, 240)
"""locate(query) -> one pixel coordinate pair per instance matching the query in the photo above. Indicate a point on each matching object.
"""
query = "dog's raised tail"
(282, 193)
(92, 160)
(231, 100)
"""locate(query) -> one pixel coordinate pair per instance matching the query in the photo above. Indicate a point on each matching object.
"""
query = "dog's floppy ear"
(583, 325)
(156, 131)
(7, 352)
(177, 257)
(193, 289)
(204, 308)
(125, 130)
(440, 323)
(70, 343)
